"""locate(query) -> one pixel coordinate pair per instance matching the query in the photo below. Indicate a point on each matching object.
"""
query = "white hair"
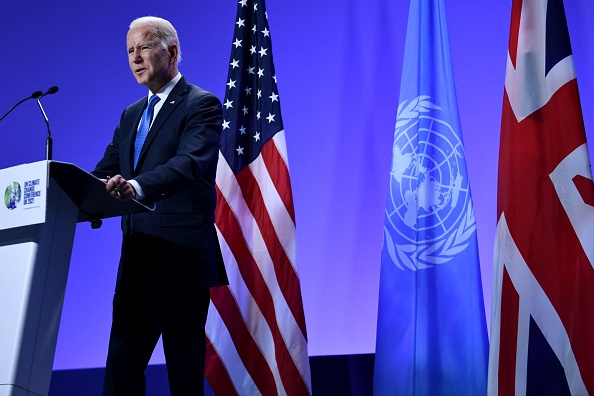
(163, 29)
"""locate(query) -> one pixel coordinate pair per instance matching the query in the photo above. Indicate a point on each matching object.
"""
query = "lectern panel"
(23, 190)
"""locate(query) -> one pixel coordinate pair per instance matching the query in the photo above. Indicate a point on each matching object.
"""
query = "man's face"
(152, 65)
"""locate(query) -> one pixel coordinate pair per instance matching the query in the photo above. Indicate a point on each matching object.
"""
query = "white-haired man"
(164, 150)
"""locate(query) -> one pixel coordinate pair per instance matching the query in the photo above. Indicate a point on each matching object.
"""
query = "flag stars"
(250, 111)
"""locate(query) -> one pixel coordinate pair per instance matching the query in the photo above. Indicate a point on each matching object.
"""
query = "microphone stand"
(48, 141)
(38, 95)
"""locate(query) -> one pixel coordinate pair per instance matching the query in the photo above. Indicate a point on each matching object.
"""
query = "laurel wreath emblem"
(405, 114)
(426, 255)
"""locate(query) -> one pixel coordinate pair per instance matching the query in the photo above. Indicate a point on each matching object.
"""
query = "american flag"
(542, 328)
(256, 334)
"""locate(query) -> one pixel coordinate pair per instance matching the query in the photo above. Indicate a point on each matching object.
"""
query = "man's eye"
(145, 48)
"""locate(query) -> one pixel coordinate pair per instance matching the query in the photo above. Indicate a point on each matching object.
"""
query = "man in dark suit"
(164, 152)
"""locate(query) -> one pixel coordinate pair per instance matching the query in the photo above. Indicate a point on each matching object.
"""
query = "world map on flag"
(429, 214)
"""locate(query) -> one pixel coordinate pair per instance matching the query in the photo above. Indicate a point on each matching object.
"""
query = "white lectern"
(42, 203)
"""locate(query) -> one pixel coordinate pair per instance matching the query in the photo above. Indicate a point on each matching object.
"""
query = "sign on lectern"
(42, 202)
(24, 191)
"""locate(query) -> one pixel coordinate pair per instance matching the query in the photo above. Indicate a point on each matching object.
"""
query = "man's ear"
(173, 52)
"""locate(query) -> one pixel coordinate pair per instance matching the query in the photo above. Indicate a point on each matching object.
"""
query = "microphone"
(48, 141)
(34, 95)
(50, 91)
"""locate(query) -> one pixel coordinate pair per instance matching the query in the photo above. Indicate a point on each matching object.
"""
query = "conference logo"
(429, 215)
(12, 195)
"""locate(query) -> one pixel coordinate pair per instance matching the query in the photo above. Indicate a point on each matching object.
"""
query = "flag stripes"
(583, 185)
(268, 247)
(560, 258)
(509, 337)
(247, 315)
(255, 296)
(514, 31)
(279, 172)
(245, 345)
(256, 327)
(285, 275)
(543, 311)
(216, 372)
(518, 281)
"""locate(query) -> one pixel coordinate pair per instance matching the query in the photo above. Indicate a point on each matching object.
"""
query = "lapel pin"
(172, 102)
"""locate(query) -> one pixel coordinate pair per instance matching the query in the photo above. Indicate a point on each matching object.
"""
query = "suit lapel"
(176, 96)
(132, 121)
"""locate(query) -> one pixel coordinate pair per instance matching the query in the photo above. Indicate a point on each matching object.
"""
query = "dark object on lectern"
(88, 193)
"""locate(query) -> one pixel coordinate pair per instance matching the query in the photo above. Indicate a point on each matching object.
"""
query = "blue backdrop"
(338, 65)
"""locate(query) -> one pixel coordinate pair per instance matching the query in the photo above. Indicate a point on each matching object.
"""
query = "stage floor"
(345, 375)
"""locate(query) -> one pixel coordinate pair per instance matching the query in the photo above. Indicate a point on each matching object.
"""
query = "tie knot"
(153, 100)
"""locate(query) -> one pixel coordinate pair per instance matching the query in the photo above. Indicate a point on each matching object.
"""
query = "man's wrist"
(138, 189)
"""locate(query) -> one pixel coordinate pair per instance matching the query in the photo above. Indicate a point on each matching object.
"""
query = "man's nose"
(136, 58)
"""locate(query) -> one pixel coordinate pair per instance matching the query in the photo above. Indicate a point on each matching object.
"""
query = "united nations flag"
(431, 332)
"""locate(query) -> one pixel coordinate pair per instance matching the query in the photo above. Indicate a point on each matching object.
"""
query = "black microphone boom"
(50, 91)
(38, 95)
(34, 95)
(48, 141)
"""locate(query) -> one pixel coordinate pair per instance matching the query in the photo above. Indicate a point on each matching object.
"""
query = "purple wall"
(338, 66)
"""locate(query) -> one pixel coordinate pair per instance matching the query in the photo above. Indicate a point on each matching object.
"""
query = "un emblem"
(12, 195)
(429, 215)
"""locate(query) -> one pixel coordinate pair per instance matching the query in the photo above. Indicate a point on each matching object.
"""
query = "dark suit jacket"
(176, 245)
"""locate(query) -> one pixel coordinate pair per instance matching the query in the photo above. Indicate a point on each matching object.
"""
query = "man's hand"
(119, 188)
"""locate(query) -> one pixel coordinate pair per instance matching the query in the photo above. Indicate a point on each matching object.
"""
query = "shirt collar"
(164, 92)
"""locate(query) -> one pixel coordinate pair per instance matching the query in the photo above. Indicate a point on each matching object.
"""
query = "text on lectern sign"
(24, 189)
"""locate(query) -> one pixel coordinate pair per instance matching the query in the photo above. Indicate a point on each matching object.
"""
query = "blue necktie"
(145, 123)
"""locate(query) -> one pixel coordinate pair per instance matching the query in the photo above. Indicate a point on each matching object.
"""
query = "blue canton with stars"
(251, 111)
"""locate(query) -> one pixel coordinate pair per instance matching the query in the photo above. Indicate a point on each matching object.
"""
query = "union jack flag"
(256, 334)
(542, 329)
